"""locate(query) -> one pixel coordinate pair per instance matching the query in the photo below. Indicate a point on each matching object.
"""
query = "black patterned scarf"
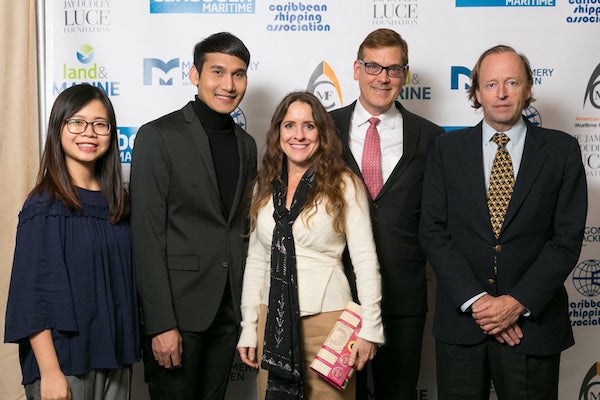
(282, 356)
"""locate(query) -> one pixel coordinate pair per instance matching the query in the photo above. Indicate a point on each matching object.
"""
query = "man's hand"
(167, 348)
(511, 336)
(496, 314)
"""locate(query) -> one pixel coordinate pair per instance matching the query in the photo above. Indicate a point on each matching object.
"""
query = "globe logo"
(239, 117)
(586, 278)
(533, 116)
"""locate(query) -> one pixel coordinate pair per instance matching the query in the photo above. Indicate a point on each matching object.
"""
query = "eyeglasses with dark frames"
(79, 126)
(393, 71)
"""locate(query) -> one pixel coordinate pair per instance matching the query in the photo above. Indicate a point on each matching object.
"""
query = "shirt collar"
(390, 118)
(516, 133)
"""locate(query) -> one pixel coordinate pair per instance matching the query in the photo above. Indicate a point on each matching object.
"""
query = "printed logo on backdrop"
(298, 16)
(324, 84)
(584, 12)
(459, 73)
(395, 12)
(592, 91)
(506, 3)
(591, 234)
(590, 386)
(202, 6)
(586, 126)
(172, 72)
(166, 73)
(460, 79)
(414, 89)
(126, 137)
(86, 16)
(83, 68)
(586, 280)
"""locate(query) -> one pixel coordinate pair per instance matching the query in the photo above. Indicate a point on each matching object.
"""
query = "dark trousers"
(465, 372)
(206, 361)
(395, 368)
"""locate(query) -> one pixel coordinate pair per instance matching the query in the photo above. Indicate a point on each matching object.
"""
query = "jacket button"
(498, 248)
(491, 281)
(225, 264)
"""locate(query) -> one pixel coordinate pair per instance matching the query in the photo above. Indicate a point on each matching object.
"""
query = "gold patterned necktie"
(502, 181)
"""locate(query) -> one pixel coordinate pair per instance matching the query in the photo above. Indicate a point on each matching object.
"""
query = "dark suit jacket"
(185, 247)
(538, 247)
(395, 214)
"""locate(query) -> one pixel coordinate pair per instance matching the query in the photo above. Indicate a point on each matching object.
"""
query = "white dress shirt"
(391, 137)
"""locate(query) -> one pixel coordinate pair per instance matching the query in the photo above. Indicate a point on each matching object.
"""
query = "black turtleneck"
(223, 147)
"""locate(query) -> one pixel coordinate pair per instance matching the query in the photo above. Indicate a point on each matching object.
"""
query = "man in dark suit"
(191, 178)
(502, 225)
(381, 69)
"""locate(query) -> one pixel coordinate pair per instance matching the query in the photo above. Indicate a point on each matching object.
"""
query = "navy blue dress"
(73, 273)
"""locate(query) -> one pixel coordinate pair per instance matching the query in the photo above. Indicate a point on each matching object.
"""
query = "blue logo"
(85, 54)
(298, 17)
(455, 73)
(126, 139)
(505, 3)
(584, 13)
(202, 6)
(586, 278)
(239, 117)
(158, 72)
(155, 66)
(458, 71)
(533, 116)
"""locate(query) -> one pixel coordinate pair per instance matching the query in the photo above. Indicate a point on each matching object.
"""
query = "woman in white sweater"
(307, 207)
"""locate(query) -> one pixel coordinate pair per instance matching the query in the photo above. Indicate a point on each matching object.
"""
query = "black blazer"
(395, 214)
(185, 247)
(538, 247)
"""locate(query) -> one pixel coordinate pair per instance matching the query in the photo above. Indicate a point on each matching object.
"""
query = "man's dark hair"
(222, 42)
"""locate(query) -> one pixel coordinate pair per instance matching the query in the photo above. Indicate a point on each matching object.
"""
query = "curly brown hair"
(327, 164)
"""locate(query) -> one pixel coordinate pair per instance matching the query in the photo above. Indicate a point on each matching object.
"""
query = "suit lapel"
(471, 159)
(243, 170)
(535, 153)
(201, 141)
(410, 142)
(343, 122)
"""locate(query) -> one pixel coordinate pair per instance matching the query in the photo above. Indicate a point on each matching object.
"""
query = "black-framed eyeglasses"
(394, 71)
(78, 126)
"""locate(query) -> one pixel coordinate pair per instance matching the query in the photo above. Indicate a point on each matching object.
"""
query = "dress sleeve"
(39, 296)
(252, 290)
(359, 237)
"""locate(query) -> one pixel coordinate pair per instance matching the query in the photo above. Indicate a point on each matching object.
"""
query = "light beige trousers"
(314, 331)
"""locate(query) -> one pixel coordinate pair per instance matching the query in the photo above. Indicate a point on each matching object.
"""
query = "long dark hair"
(54, 177)
(327, 163)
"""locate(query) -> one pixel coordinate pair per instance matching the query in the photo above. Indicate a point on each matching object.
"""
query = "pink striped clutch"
(331, 361)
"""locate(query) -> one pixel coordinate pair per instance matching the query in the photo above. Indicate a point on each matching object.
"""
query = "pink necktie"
(371, 159)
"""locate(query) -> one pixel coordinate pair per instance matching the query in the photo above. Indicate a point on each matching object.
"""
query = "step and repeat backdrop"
(140, 53)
